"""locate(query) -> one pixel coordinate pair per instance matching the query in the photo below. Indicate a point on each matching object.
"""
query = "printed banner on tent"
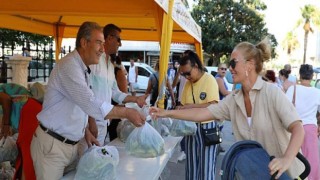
(181, 16)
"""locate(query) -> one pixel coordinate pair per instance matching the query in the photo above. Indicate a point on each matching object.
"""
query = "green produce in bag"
(98, 163)
(124, 128)
(182, 128)
(145, 142)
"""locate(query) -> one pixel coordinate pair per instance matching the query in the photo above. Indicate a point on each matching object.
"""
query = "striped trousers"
(200, 159)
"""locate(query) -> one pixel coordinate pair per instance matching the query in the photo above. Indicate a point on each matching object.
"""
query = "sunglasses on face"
(185, 74)
(223, 69)
(233, 63)
(117, 37)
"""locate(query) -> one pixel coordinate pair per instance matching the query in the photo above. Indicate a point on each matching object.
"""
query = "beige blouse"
(272, 114)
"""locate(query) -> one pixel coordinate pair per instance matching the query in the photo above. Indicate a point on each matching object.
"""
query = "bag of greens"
(145, 142)
(98, 163)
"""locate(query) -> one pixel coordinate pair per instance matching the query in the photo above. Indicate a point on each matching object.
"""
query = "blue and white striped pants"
(201, 159)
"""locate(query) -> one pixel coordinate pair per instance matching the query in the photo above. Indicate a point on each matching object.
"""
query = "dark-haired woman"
(307, 102)
(270, 76)
(283, 76)
(258, 111)
(200, 91)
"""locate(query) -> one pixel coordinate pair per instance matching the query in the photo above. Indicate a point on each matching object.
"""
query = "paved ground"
(176, 170)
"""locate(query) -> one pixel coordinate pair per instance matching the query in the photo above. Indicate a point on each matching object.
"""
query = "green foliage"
(290, 43)
(19, 38)
(223, 59)
(226, 23)
(254, 4)
(308, 11)
(310, 16)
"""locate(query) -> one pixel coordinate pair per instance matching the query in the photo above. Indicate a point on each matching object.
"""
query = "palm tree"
(290, 43)
(310, 15)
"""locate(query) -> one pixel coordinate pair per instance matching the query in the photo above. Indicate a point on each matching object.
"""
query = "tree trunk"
(306, 33)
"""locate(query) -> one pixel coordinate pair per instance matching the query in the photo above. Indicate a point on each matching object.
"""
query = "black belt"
(57, 136)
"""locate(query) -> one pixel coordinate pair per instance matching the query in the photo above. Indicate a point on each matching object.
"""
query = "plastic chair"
(27, 126)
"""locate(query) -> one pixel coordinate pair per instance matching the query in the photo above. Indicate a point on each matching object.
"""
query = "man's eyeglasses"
(185, 74)
(117, 37)
(223, 69)
(233, 63)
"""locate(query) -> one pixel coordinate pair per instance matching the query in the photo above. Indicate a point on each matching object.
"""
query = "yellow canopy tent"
(165, 21)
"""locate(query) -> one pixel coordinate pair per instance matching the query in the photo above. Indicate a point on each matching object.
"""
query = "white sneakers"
(182, 156)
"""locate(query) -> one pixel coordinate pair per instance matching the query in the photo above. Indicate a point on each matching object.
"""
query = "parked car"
(144, 71)
(213, 70)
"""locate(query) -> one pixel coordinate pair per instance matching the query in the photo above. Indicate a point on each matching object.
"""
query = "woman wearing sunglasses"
(258, 111)
(200, 90)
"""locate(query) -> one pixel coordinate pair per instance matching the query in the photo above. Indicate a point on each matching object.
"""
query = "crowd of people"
(279, 113)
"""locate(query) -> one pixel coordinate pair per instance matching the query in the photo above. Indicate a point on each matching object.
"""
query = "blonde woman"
(258, 111)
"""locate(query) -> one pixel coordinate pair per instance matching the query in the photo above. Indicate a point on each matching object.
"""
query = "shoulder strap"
(294, 95)
(194, 101)
(155, 76)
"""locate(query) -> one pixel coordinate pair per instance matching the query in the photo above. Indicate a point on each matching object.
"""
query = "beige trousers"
(50, 156)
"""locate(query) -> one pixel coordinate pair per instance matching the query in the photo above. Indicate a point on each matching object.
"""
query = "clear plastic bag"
(145, 142)
(156, 125)
(124, 128)
(8, 149)
(133, 106)
(164, 131)
(145, 110)
(160, 127)
(182, 128)
(166, 121)
(6, 171)
(98, 163)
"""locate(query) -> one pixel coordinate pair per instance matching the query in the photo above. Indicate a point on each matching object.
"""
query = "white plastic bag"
(98, 163)
(166, 124)
(145, 142)
(6, 170)
(124, 128)
(160, 127)
(156, 125)
(133, 106)
(164, 131)
(8, 149)
(166, 121)
(182, 128)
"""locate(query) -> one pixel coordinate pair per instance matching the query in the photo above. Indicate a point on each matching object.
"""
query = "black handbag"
(211, 136)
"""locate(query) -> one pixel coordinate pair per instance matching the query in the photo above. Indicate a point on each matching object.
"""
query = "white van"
(144, 72)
